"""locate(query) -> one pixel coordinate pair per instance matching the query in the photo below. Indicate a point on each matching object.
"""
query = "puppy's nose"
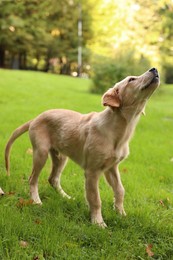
(154, 71)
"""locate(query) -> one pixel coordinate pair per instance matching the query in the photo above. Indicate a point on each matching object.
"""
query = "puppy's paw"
(36, 201)
(120, 210)
(98, 222)
(63, 193)
(102, 225)
(1, 192)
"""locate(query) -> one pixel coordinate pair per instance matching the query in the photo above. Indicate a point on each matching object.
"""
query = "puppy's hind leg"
(39, 159)
(58, 164)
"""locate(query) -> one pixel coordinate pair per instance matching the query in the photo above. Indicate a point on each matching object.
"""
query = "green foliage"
(168, 73)
(39, 34)
(144, 26)
(21, 26)
(107, 72)
(166, 12)
(35, 31)
(60, 228)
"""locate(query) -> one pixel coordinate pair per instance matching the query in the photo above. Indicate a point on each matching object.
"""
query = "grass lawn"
(60, 228)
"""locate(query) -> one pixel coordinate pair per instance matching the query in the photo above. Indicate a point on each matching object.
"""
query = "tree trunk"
(24, 60)
(65, 68)
(47, 61)
(20, 60)
(15, 62)
(2, 57)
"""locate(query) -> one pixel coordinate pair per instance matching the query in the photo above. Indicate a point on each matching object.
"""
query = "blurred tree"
(166, 39)
(140, 28)
(155, 23)
(22, 30)
(131, 23)
(34, 30)
(166, 35)
(41, 34)
(63, 26)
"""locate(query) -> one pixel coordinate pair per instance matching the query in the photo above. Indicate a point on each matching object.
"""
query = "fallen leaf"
(37, 221)
(149, 251)
(23, 243)
(124, 170)
(161, 203)
(166, 203)
(23, 203)
(29, 151)
(10, 193)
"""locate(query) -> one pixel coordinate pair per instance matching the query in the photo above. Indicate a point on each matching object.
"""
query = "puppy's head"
(133, 90)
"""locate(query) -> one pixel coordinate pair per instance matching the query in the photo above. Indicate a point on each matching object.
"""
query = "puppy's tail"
(19, 131)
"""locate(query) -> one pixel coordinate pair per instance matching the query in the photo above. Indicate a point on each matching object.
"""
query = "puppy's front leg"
(93, 197)
(114, 180)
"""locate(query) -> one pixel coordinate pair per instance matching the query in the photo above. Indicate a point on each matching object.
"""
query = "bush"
(106, 72)
(168, 73)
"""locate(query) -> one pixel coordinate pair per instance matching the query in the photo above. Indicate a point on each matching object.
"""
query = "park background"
(91, 38)
(65, 54)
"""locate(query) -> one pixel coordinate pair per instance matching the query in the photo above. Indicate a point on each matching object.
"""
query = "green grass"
(60, 228)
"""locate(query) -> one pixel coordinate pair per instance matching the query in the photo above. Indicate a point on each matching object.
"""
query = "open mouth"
(154, 80)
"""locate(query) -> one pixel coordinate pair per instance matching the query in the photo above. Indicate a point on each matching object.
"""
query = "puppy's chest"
(114, 156)
(107, 150)
(119, 148)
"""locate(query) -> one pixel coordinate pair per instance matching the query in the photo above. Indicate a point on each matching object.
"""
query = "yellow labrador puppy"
(98, 142)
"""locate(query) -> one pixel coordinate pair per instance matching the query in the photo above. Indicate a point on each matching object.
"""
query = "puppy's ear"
(111, 98)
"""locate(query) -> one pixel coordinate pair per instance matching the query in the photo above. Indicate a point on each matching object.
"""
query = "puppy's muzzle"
(155, 72)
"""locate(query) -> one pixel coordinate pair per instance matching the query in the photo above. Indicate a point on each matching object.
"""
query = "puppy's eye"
(131, 79)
